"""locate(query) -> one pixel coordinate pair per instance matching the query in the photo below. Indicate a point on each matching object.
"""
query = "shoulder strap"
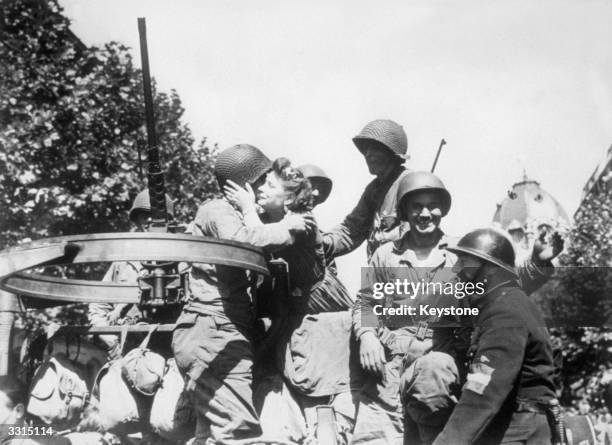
(146, 340)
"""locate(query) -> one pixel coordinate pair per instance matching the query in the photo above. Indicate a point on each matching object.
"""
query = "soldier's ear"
(19, 410)
(489, 269)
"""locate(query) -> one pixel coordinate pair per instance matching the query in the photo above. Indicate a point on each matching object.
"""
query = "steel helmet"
(320, 181)
(490, 245)
(242, 164)
(421, 181)
(387, 133)
(143, 202)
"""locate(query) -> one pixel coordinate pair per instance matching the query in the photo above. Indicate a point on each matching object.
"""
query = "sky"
(511, 86)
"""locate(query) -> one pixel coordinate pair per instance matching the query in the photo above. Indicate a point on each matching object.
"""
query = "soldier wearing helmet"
(140, 212)
(509, 388)
(322, 187)
(422, 202)
(212, 341)
(105, 314)
(384, 145)
(411, 361)
(321, 182)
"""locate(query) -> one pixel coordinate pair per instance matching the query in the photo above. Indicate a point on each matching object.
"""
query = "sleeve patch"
(477, 382)
(480, 367)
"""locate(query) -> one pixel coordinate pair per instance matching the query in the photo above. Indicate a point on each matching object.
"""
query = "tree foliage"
(578, 300)
(71, 128)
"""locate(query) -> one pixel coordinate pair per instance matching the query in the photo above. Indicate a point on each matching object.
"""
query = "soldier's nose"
(425, 213)
(369, 152)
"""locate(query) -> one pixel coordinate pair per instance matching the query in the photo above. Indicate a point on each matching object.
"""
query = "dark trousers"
(527, 428)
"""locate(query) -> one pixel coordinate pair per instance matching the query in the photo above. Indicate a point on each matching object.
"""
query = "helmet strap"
(500, 278)
(474, 278)
(479, 272)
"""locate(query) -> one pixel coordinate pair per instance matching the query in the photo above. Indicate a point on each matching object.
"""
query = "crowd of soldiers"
(258, 364)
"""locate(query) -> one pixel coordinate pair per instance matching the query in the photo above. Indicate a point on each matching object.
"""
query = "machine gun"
(162, 285)
(160, 251)
(157, 188)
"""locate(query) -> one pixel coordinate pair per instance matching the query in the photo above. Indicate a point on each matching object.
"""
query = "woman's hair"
(294, 182)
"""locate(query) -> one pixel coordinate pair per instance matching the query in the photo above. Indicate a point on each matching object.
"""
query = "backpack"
(118, 408)
(58, 392)
(172, 416)
(125, 386)
(143, 369)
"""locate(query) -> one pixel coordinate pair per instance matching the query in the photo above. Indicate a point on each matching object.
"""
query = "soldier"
(322, 186)
(422, 202)
(105, 314)
(13, 397)
(321, 183)
(14, 421)
(212, 339)
(387, 345)
(316, 310)
(509, 387)
(383, 144)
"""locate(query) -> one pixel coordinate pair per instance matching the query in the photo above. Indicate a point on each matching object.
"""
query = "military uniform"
(108, 314)
(126, 272)
(212, 341)
(510, 381)
(423, 382)
(373, 219)
(380, 414)
(104, 314)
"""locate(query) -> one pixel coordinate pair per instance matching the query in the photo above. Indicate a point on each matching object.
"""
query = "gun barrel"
(442, 143)
(157, 189)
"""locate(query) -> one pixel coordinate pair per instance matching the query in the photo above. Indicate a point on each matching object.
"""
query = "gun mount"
(161, 287)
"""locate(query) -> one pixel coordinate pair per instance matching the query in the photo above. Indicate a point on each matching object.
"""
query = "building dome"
(528, 205)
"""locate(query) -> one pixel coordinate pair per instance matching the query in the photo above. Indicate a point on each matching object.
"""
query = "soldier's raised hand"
(243, 198)
(300, 223)
(311, 224)
(372, 354)
(548, 245)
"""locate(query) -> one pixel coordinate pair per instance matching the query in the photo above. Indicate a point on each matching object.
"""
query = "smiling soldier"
(415, 358)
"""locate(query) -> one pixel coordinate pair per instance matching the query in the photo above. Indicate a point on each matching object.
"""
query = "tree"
(577, 300)
(71, 126)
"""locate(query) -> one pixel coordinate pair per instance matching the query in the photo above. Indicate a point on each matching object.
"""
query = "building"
(526, 211)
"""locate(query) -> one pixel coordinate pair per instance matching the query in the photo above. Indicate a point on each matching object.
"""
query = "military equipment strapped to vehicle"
(159, 293)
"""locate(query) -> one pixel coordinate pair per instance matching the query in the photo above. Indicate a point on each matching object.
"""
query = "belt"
(531, 406)
(386, 335)
(554, 416)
